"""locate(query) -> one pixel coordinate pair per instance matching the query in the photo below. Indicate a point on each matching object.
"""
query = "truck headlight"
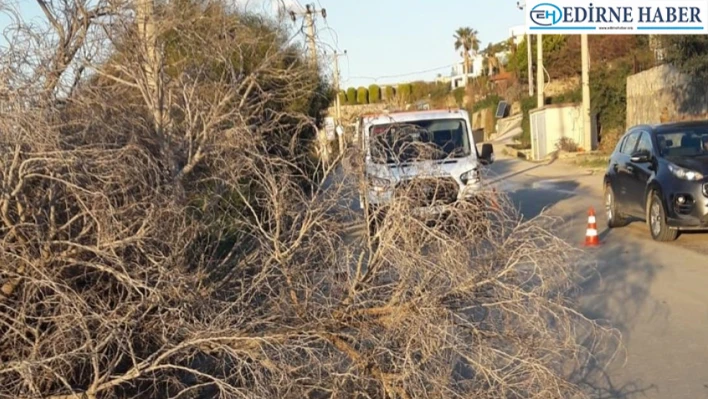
(685, 174)
(471, 175)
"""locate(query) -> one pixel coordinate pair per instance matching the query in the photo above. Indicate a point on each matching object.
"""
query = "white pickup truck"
(432, 150)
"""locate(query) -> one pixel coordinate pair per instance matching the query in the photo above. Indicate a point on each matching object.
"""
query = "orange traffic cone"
(591, 237)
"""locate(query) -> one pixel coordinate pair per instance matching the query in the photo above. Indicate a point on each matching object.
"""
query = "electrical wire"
(402, 74)
(332, 32)
(547, 74)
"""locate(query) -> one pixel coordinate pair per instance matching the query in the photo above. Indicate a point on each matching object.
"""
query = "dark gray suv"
(659, 174)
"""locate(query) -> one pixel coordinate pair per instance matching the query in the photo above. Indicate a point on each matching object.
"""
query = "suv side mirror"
(641, 157)
(487, 156)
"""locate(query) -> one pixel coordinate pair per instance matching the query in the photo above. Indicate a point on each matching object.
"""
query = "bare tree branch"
(167, 232)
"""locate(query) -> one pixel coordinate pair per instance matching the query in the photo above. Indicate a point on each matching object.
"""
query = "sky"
(388, 41)
(392, 41)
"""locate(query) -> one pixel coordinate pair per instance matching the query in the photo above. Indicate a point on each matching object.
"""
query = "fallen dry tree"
(167, 234)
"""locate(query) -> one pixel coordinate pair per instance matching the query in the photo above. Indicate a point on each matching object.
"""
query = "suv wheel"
(656, 219)
(614, 218)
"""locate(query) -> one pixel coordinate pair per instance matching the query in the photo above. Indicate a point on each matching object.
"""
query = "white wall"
(458, 78)
(565, 121)
(476, 63)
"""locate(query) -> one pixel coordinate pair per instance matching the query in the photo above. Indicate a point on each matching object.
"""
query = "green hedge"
(351, 96)
(374, 94)
(342, 97)
(405, 91)
(362, 96)
(389, 93)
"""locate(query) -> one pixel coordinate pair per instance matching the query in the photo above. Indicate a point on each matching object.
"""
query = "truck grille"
(428, 191)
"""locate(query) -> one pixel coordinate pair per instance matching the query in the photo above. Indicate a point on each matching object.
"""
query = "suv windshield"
(419, 140)
(685, 143)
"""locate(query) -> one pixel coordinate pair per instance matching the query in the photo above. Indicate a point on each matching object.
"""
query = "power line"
(332, 32)
(309, 16)
(402, 74)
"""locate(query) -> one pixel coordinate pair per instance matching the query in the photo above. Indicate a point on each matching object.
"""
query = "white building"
(457, 77)
(458, 80)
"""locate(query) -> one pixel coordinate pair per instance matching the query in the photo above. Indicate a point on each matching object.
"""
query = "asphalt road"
(655, 294)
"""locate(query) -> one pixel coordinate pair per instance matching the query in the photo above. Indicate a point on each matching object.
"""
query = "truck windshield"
(419, 140)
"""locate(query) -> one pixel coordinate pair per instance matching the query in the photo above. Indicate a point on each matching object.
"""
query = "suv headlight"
(685, 174)
(471, 175)
(379, 184)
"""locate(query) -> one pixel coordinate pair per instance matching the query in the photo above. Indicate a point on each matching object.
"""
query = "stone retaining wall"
(664, 94)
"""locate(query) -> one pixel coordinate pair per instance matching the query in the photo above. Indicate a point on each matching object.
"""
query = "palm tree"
(467, 40)
(490, 61)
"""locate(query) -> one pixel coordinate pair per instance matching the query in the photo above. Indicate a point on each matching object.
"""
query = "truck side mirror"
(487, 156)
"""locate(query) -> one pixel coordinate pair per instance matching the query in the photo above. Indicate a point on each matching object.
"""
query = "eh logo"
(546, 14)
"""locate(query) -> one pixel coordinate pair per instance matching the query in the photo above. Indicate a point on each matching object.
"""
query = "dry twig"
(178, 240)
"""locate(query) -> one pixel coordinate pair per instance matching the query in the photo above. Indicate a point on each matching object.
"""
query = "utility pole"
(309, 14)
(145, 13)
(335, 57)
(539, 71)
(585, 60)
(530, 62)
(338, 123)
(529, 52)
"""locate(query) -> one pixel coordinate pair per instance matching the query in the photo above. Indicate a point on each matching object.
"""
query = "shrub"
(571, 96)
(351, 96)
(439, 91)
(342, 97)
(491, 101)
(420, 90)
(374, 94)
(362, 96)
(567, 144)
(389, 93)
(527, 104)
(552, 44)
(608, 139)
(404, 92)
(687, 52)
(608, 95)
(143, 260)
(459, 95)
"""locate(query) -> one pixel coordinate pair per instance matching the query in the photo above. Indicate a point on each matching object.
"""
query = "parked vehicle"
(659, 174)
(430, 151)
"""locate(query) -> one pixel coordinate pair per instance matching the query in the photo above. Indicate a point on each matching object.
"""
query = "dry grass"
(162, 236)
